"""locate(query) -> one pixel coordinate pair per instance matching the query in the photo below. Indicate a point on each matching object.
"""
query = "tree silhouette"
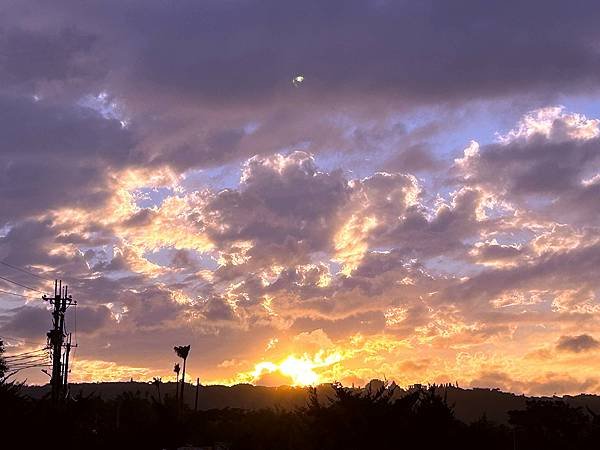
(182, 351)
(378, 416)
(550, 424)
(176, 370)
(156, 381)
(3, 366)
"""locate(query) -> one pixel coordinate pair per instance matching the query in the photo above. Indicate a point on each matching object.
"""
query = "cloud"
(546, 160)
(273, 379)
(190, 56)
(546, 384)
(190, 194)
(196, 100)
(28, 322)
(56, 155)
(492, 252)
(33, 322)
(284, 206)
(577, 344)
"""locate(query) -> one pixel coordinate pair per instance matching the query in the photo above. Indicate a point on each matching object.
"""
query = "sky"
(423, 207)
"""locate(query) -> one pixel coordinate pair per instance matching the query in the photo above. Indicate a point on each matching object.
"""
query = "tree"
(156, 381)
(176, 370)
(182, 351)
(550, 424)
(3, 365)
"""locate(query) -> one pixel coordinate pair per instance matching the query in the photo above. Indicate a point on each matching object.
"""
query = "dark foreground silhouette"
(376, 418)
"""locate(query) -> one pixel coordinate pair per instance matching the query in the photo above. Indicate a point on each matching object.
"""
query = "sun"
(300, 371)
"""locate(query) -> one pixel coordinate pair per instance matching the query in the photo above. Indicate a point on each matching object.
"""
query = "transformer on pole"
(56, 340)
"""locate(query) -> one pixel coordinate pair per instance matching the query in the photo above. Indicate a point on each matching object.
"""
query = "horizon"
(389, 385)
(304, 193)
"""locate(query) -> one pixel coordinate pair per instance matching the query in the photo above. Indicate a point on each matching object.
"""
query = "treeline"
(350, 419)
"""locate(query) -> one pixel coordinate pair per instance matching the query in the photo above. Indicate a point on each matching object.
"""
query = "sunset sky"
(423, 207)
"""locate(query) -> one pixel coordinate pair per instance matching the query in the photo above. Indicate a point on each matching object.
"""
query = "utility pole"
(196, 401)
(66, 365)
(56, 338)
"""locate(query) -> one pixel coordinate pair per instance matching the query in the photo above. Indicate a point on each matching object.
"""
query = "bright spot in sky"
(300, 370)
(297, 80)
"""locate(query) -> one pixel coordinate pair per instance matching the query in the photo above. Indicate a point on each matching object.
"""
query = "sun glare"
(301, 371)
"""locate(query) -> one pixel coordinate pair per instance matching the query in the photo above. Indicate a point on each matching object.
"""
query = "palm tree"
(182, 351)
(156, 381)
(176, 370)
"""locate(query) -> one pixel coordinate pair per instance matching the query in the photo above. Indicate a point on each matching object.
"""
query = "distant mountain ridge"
(469, 404)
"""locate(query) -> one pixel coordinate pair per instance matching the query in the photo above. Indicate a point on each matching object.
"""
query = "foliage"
(3, 366)
(348, 419)
(182, 351)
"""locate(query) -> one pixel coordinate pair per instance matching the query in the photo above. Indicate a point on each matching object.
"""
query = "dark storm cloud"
(54, 155)
(194, 74)
(42, 129)
(31, 59)
(577, 344)
(242, 50)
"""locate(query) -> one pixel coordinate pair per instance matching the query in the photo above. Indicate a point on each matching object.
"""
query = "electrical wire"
(14, 372)
(24, 271)
(32, 363)
(18, 295)
(73, 354)
(28, 352)
(25, 358)
(27, 362)
(16, 339)
(21, 285)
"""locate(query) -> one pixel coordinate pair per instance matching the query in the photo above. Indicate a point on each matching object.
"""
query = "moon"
(298, 80)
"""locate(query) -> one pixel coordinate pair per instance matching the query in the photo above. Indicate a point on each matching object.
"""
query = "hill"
(469, 404)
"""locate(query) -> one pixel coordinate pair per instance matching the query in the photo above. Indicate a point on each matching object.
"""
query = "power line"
(14, 372)
(75, 333)
(23, 357)
(16, 358)
(29, 363)
(22, 285)
(18, 340)
(24, 271)
(29, 352)
(14, 293)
